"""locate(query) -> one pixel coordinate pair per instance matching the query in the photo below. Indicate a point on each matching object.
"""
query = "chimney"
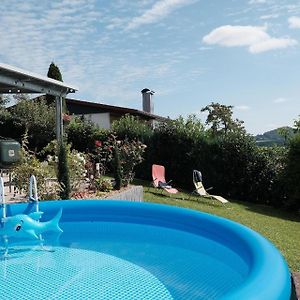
(147, 101)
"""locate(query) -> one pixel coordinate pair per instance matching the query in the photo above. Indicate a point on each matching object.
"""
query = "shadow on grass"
(184, 199)
(279, 213)
(197, 200)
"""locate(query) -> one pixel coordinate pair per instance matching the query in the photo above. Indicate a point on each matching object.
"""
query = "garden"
(261, 183)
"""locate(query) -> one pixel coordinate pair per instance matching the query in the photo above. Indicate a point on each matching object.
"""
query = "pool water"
(115, 260)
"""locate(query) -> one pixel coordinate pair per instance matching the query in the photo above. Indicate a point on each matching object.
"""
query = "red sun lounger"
(159, 181)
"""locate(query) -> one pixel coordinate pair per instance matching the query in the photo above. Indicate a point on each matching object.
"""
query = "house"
(103, 115)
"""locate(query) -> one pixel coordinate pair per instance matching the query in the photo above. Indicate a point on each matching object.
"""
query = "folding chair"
(159, 181)
(200, 190)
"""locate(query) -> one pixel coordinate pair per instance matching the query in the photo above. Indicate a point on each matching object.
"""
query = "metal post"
(59, 118)
(33, 194)
(2, 199)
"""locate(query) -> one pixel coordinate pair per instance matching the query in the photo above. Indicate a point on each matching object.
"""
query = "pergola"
(17, 81)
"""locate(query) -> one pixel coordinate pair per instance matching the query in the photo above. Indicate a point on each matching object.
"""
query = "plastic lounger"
(159, 181)
(200, 190)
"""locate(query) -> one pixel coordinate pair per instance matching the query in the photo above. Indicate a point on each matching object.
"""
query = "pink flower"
(98, 143)
(67, 117)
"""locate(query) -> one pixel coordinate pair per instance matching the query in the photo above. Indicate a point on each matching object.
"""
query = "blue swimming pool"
(125, 250)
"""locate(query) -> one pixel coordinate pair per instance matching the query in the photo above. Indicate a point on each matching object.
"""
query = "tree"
(36, 118)
(4, 113)
(297, 126)
(285, 132)
(54, 73)
(117, 167)
(220, 119)
(3, 101)
(63, 175)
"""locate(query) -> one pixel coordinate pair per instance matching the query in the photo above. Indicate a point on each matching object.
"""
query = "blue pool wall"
(268, 277)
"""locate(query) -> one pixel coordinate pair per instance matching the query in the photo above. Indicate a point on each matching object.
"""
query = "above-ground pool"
(126, 250)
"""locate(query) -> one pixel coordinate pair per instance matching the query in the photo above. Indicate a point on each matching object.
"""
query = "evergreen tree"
(54, 73)
(63, 171)
(117, 168)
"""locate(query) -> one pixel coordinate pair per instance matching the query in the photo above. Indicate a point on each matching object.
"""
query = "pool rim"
(269, 276)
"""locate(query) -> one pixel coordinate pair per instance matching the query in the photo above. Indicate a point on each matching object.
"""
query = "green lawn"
(281, 228)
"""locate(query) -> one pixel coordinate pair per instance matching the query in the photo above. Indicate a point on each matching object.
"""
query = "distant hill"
(272, 137)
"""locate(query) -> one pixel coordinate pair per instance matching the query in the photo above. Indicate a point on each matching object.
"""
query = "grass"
(280, 227)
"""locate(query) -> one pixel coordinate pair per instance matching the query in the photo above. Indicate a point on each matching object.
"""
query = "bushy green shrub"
(103, 185)
(82, 134)
(172, 145)
(30, 165)
(132, 128)
(244, 171)
(267, 168)
(33, 117)
(231, 163)
(292, 173)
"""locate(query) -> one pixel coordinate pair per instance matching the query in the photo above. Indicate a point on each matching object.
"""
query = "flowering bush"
(131, 154)
(76, 161)
(103, 154)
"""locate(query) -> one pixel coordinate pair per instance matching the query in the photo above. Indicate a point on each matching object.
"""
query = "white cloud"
(272, 44)
(280, 100)
(158, 11)
(257, 1)
(115, 23)
(294, 22)
(255, 38)
(271, 16)
(242, 107)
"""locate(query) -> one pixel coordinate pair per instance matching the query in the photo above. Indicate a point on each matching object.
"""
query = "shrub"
(231, 163)
(31, 116)
(132, 128)
(103, 153)
(244, 171)
(103, 185)
(172, 145)
(76, 162)
(81, 134)
(30, 165)
(131, 154)
(292, 173)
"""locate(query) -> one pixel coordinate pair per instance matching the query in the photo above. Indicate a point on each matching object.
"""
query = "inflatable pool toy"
(28, 226)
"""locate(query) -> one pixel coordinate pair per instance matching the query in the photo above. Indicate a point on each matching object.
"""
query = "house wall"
(102, 120)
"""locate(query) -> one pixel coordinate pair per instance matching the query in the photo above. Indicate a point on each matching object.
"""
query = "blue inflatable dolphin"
(28, 225)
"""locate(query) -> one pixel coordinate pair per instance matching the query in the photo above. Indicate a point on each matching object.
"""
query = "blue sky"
(243, 53)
